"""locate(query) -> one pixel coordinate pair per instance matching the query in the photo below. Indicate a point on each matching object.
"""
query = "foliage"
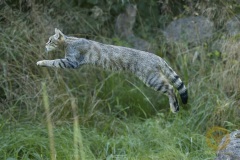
(119, 117)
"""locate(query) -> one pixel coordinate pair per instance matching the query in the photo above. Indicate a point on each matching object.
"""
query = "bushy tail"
(182, 90)
(176, 81)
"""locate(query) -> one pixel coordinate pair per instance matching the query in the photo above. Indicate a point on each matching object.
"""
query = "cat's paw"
(40, 63)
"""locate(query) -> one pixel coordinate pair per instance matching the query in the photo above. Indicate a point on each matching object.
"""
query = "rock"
(124, 29)
(218, 44)
(189, 30)
(233, 26)
(125, 21)
(140, 43)
(96, 12)
(229, 148)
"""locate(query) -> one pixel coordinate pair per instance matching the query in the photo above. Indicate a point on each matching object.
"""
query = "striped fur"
(148, 67)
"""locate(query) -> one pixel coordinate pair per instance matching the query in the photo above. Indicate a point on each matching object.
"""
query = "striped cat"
(148, 67)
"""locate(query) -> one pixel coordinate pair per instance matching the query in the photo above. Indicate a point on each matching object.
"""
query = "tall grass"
(49, 123)
(78, 144)
(102, 115)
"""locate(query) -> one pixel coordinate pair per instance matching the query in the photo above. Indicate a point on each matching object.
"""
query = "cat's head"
(55, 41)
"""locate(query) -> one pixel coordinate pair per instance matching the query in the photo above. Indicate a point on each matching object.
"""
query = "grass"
(154, 138)
(49, 123)
(95, 114)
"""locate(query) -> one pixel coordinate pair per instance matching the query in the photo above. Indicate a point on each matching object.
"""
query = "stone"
(194, 29)
(233, 26)
(124, 29)
(229, 148)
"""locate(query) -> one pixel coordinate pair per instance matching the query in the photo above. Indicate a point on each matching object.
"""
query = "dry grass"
(103, 115)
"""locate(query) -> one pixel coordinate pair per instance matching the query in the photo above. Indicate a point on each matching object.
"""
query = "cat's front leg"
(58, 63)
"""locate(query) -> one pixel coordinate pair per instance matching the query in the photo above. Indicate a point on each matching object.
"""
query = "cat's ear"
(59, 35)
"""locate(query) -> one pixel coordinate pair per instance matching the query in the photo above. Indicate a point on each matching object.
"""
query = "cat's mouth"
(49, 48)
